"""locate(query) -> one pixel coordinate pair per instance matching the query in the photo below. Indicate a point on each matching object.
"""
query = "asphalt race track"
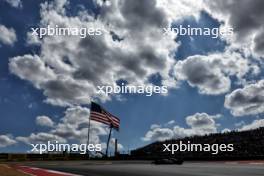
(144, 168)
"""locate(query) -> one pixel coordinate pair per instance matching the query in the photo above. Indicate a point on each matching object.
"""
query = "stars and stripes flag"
(97, 113)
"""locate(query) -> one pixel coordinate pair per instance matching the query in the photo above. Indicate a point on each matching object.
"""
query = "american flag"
(100, 115)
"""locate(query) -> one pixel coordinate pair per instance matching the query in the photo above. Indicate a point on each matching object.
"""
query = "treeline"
(247, 145)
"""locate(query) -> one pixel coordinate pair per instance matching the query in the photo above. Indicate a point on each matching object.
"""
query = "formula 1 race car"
(168, 161)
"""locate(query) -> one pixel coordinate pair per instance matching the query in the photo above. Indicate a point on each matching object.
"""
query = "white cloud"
(226, 130)
(246, 18)
(40, 138)
(177, 10)
(159, 134)
(153, 126)
(70, 68)
(246, 101)
(44, 121)
(202, 121)
(254, 125)
(8, 35)
(239, 124)
(31, 68)
(67, 69)
(32, 39)
(120, 147)
(171, 122)
(73, 126)
(211, 74)
(199, 123)
(74, 67)
(6, 140)
(15, 3)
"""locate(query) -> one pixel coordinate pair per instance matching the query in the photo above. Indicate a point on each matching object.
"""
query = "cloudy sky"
(46, 86)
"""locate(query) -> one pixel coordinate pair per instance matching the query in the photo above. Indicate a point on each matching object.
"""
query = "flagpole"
(88, 138)
(106, 153)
